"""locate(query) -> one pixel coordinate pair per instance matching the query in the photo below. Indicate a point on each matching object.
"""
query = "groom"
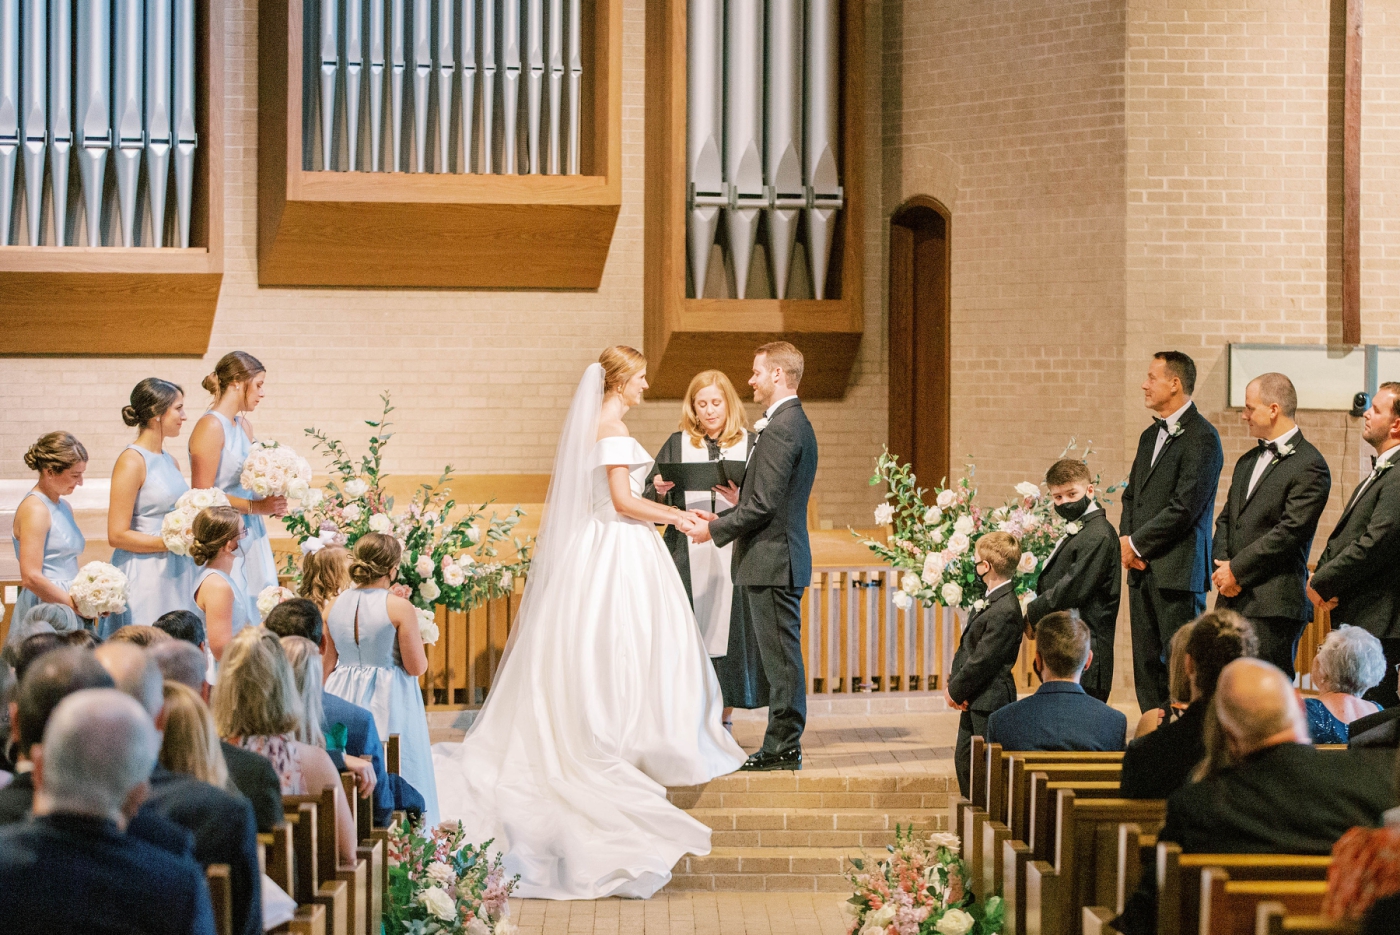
(772, 562)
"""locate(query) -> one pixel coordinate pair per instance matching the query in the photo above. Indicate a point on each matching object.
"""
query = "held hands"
(953, 704)
(1320, 601)
(701, 531)
(1224, 579)
(1130, 558)
(686, 521)
(662, 487)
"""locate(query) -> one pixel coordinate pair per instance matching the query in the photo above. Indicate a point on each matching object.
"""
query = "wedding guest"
(1178, 684)
(712, 429)
(218, 531)
(182, 625)
(1348, 663)
(1167, 509)
(189, 742)
(1158, 764)
(325, 572)
(72, 868)
(1264, 534)
(219, 445)
(42, 618)
(23, 654)
(980, 680)
(142, 636)
(256, 708)
(375, 654)
(1355, 577)
(48, 542)
(1082, 571)
(304, 657)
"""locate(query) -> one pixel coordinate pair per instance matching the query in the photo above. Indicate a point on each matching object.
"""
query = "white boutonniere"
(1283, 452)
(1072, 528)
(760, 425)
(1175, 430)
(1383, 466)
(978, 604)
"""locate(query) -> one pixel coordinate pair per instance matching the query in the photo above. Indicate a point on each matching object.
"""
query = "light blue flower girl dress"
(157, 582)
(370, 674)
(253, 566)
(63, 546)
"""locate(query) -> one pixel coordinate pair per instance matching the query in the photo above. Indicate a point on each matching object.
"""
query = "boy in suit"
(1082, 573)
(980, 681)
(1059, 716)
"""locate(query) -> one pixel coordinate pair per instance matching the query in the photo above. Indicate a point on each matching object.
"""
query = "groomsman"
(1082, 572)
(1358, 575)
(1167, 509)
(1264, 534)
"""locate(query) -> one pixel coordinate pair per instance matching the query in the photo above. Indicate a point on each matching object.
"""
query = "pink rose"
(401, 590)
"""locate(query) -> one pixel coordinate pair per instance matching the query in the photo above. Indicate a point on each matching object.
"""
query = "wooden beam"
(1351, 178)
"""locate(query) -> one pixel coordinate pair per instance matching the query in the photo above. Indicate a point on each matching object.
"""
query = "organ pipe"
(445, 67)
(705, 132)
(488, 84)
(60, 112)
(94, 120)
(397, 66)
(158, 122)
(510, 88)
(468, 121)
(422, 78)
(556, 79)
(825, 196)
(535, 50)
(9, 112)
(186, 137)
(743, 132)
(354, 69)
(376, 85)
(782, 170)
(33, 119)
(330, 72)
(575, 83)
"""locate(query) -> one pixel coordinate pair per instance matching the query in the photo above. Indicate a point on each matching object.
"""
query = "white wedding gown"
(605, 696)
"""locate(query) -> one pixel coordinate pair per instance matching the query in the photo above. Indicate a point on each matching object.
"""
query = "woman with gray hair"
(1348, 664)
(41, 618)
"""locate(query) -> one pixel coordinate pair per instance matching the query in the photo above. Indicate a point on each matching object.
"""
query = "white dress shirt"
(1381, 459)
(768, 413)
(1266, 457)
(1164, 433)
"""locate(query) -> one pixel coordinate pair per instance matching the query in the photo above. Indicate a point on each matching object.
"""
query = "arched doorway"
(919, 338)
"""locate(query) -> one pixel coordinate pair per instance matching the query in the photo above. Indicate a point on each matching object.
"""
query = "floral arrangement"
(920, 889)
(270, 597)
(447, 561)
(98, 589)
(177, 529)
(274, 470)
(438, 882)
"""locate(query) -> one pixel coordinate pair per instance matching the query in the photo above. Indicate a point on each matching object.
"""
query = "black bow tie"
(1373, 463)
(1161, 425)
(713, 446)
(1268, 446)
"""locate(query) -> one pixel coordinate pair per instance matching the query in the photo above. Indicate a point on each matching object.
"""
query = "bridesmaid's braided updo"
(150, 399)
(376, 555)
(233, 367)
(55, 453)
(214, 528)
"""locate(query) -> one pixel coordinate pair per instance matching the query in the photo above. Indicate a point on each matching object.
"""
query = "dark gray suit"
(772, 562)
(1266, 537)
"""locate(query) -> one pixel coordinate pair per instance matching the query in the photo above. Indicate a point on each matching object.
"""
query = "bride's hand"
(686, 522)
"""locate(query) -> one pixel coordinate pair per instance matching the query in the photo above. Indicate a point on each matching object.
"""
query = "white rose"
(909, 582)
(882, 917)
(955, 922)
(270, 597)
(454, 576)
(1071, 529)
(952, 594)
(964, 524)
(438, 903)
(1026, 565)
(429, 632)
(380, 522)
(477, 927)
(441, 874)
(428, 591)
(932, 516)
(424, 566)
(507, 579)
(351, 512)
(945, 499)
(958, 543)
(473, 534)
(903, 601)
(944, 839)
(884, 514)
(1028, 490)
(933, 568)
(465, 561)
(355, 488)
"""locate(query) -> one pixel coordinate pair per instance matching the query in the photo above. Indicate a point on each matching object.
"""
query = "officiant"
(712, 429)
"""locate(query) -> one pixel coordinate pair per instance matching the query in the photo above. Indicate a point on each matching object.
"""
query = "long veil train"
(604, 696)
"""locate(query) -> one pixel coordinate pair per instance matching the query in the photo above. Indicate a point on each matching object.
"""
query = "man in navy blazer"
(1060, 715)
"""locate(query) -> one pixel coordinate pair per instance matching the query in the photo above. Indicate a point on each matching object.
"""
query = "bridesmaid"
(219, 595)
(146, 482)
(219, 445)
(712, 428)
(47, 540)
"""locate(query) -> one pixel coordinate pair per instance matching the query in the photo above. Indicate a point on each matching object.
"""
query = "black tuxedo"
(1085, 574)
(1167, 510)
(772, 562)
(981, 670)
(1266, 536)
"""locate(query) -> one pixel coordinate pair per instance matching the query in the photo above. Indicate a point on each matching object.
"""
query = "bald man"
(1264, 534)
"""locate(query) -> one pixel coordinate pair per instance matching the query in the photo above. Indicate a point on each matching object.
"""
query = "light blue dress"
(63, 546)
(157, 582)
(241, 617)
(370, 674)
(253, 565)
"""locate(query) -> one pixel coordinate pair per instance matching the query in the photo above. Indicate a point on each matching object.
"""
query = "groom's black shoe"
(762, 762)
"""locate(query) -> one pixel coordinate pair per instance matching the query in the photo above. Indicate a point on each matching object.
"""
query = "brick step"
(796, 791)
(771, 869)
(844, 828)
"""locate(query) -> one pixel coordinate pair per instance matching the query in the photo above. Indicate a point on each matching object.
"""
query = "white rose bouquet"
(270, 597)
(275, 470)
(920, 887)
(98, 589)
(440, 883)
(177, 529)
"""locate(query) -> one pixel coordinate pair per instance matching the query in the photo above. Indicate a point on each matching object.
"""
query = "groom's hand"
(706, 515)
(701, 531)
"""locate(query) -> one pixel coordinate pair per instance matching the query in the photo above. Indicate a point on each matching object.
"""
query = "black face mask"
(1073, 509)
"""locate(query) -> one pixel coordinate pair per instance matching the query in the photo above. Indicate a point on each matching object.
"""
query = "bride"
(605, 694)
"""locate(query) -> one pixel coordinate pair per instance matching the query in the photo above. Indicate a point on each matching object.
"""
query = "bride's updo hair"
(214, 528)
(150, 399)
(54, 453)
(376, 555)
(233, 367)
(620, 364)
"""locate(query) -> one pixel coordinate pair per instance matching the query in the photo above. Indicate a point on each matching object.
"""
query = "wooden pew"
(1097, 921)
(309, 920)
(371, 852)
(1019, 767)
(998, 771)
(221, 896)
(311, 886)
(1179, 880)
(1230, 906)
(278, 860)
(353, 878)
(970, 831)
(1045, 805)
(391, 754)
(1275, 919)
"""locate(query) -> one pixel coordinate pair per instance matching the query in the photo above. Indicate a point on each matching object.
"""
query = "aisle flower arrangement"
(921, 888)
(454, 562)
(440, 883)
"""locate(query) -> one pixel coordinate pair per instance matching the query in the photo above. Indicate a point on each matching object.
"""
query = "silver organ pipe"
(186, 136)
(330, 73)
(33, 118)
(354, 70)
(422, 78)
(782, 170)
(60, 112)
(824, 194)
(9, 113)
(510, 87)
(704, 133)
(488, 84)
(535, 50)
(575, 84)
(743, 132)
(445, 68)
(158, 123)
(94, 116)
(556, 79)
(397, 65)
(127, 121)
(376, 85)
(468, 102)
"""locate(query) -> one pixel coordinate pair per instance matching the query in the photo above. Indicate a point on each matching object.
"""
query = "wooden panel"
(433, 230)
(142, 301)
(683, 335)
